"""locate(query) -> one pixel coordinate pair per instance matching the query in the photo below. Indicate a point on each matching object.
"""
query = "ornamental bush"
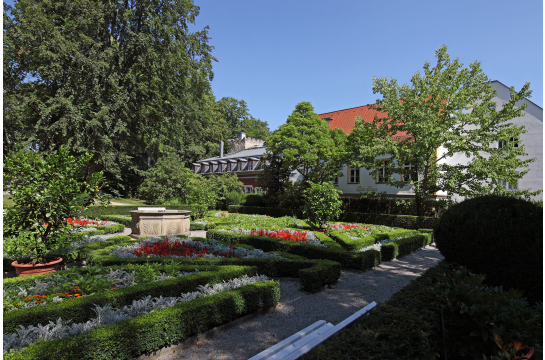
(500, 237)
(46, 190)
(322, 203)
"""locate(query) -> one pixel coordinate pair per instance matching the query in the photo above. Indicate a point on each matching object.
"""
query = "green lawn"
(129, 201)
(7, 201)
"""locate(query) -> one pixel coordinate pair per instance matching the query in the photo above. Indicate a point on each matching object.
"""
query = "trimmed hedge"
(402, 221)
(81, 310)
(290, 266)
(208, 226)
(408, 326)
(404, 247)
(117, 218)
(150, 332)
(356, 244)
(361, 261)
(273, 212)
(95, 212)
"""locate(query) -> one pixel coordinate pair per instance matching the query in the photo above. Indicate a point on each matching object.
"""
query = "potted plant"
(322, 204)
(46, 190)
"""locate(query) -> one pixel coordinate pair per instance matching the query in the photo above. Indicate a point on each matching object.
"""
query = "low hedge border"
(116, 218)
(150, 332)
(402, 221)
(356, 244)
(404, 247)
(209, 226)
(81, 310)
(360, 261)
(408, 326)
(273, 212)
(290, 266)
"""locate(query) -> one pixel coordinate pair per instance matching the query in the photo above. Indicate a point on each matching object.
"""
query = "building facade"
(246, 156)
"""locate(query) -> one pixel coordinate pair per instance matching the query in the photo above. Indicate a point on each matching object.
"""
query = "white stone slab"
(318, 340)
(151, 209)
(287, 342)
(297, 345)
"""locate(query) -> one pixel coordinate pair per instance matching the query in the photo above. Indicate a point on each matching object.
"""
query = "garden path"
(298, 309)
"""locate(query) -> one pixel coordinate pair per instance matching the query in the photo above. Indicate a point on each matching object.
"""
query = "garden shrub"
(125, 221)
(500, 237)
(472, 311)
(254, 200)
(234, 198)
(402, 221)
(273, 212)
(151, 332)
(322, 204)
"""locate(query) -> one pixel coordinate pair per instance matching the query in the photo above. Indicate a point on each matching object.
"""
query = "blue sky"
(275, 54)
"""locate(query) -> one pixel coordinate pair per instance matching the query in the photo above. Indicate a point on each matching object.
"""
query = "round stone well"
(159, 222)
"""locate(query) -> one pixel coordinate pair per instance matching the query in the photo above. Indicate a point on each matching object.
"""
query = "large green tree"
(237, 117)
(124, 81)
(448, 108)
(308, 145)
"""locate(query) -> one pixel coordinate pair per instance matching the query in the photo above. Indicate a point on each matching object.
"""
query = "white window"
(514, 141)
(258, 190)
(250, 163)
(336, 180)
(412, 175)
(382, 171)
(248, 189)
(508, 186)
(354, 176)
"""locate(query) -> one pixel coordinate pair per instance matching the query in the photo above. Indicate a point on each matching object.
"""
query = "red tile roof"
(345, 119)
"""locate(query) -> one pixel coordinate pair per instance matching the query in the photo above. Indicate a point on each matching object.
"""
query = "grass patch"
(7, 201)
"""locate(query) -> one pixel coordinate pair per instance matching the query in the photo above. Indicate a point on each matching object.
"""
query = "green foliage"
(151, 332)
(202, 197)
(254, 200)
(472, 312)
(237, 118)
(449, 107)
(500, 237)
(270, 211)
(402, 221)
(322, 203)
(274, 180)
(234, 198)
(123, 81)
(224, 184)
(46, 190)
(167, 179)
(307, 144)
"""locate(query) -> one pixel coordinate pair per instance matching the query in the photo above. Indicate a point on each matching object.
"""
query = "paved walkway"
(298, 309)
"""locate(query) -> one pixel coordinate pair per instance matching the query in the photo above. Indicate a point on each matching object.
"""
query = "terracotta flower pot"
(24, 267)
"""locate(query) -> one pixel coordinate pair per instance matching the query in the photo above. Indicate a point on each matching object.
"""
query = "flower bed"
(107, 315)
(74, 284)
(282, 234)
(213, 250)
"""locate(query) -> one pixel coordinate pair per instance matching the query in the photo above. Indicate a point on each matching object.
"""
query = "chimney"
(221, 149)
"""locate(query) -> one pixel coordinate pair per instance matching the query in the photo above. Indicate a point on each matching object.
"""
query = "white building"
(355, 181)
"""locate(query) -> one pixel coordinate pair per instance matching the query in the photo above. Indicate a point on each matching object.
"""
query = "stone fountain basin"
(154, 222)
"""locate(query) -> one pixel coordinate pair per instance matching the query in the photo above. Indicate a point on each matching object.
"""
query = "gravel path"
(298, 309)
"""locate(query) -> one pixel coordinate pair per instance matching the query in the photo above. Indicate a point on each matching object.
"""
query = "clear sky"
(275, 54)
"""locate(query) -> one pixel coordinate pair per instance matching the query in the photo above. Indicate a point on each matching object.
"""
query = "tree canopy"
(124, 81)
(308, 145)
(238, 119)
(447, 111)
